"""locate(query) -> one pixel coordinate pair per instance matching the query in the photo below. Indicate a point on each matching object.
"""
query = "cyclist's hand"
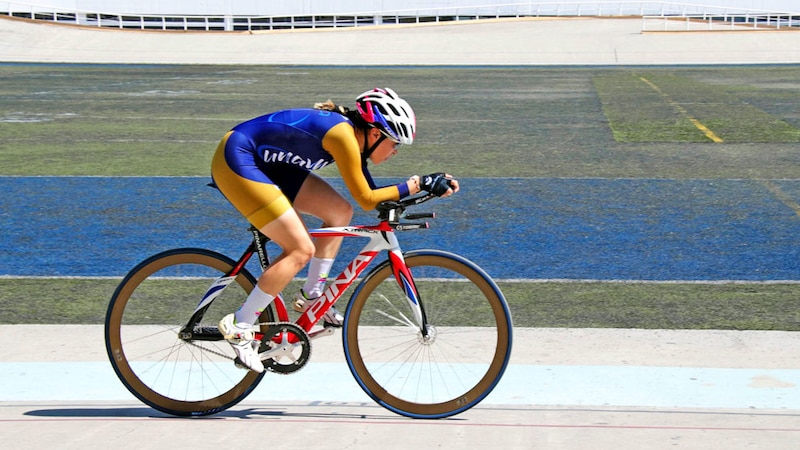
(439, 184)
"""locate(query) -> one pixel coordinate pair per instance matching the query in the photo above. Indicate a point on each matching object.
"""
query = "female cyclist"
(264, 167)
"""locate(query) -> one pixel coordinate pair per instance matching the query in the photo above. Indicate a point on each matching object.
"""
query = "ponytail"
(354, 116)
(330, 106)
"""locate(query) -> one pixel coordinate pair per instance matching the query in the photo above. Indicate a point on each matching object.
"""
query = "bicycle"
(430, 345)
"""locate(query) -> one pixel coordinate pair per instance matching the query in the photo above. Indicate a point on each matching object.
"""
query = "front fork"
(402, 274)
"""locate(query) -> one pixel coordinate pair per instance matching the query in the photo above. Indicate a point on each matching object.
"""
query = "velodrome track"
(565, 388)
(610, 229)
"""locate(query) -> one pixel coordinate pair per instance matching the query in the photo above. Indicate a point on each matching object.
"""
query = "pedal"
(327, 331)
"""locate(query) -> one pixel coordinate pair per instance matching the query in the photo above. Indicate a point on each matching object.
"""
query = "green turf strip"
(659, 107)
(474, 122)
(539, 304)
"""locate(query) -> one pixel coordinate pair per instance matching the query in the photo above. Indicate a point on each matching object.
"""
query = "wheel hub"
(430, 338)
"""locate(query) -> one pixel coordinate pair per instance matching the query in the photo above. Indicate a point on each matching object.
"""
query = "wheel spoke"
(455, 364)
(142, 338)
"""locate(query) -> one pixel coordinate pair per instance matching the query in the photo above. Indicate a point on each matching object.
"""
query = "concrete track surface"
(565, 388)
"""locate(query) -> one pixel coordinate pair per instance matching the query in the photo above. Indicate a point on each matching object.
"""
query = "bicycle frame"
(381, 237)
(400, 360)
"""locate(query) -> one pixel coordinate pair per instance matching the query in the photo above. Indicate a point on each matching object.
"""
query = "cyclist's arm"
(340, 142)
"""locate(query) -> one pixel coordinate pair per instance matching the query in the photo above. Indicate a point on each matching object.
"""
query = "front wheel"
(445, 371)
(175, 373)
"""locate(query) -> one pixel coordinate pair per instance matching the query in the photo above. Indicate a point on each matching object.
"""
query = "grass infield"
(475, 122)
(540, 304)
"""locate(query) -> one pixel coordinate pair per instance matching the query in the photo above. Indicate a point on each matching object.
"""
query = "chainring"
(285, 347)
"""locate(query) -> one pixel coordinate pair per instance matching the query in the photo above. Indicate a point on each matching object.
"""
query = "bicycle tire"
(146, 313)
(462, 362)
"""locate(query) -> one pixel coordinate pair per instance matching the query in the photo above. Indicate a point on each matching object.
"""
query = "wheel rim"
(162, 370)
(434, 377)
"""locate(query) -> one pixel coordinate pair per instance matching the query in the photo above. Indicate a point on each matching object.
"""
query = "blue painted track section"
(604, 229)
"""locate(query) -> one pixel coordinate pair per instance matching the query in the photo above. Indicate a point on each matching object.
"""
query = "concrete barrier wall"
(576, 41)
(316, 7)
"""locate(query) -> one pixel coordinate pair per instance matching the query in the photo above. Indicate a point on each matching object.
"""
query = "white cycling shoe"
(243, 342)
(332, 318)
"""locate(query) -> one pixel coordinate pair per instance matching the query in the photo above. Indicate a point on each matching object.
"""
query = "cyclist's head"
(386, 111)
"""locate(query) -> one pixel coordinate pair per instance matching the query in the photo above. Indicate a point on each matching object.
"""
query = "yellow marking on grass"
(709, 134)
(782, 196)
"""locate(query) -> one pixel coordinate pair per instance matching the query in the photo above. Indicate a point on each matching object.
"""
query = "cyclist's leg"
(318, 198)
(290, 234)
(241, 179)
(251, 189)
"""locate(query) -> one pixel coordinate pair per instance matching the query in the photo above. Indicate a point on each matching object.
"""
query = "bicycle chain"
(275, 367)
(213, 352)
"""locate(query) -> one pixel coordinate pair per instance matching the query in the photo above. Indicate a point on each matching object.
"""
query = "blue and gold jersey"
(293, 136)
(308, 139)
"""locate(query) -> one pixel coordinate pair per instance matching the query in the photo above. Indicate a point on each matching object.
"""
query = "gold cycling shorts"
(247, 185)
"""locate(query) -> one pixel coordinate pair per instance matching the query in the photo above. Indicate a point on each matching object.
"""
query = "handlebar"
(393, 211)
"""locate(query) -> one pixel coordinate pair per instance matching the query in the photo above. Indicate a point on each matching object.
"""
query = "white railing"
(725, 22)
(657, 16)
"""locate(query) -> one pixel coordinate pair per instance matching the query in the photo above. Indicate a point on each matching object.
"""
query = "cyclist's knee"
(301, 254)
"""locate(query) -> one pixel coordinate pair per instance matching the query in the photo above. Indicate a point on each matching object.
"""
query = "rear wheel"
(463, 356)
(168, 372)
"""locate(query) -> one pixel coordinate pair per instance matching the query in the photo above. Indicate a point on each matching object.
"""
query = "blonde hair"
(330, 106)
(354, 116)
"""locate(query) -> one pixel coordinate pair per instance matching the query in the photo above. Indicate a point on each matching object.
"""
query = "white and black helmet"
(385, 110)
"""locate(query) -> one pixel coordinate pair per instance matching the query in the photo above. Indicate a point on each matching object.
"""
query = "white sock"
(252, 308)
(318, 270)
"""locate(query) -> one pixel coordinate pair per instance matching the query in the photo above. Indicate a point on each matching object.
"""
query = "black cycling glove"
(435, 183)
